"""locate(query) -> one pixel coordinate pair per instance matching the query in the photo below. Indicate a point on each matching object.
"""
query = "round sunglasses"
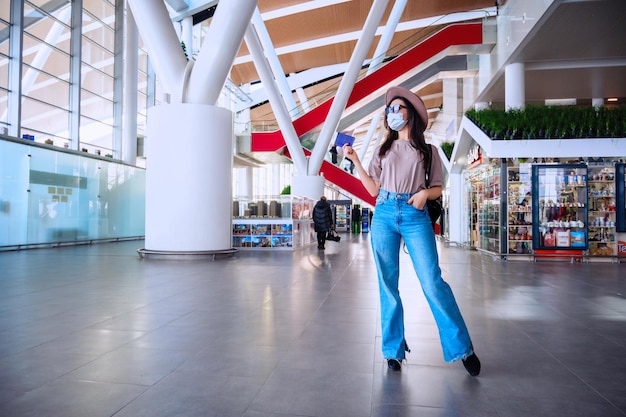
(394, 109)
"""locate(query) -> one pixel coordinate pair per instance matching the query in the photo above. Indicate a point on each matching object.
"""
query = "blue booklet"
(343, 139)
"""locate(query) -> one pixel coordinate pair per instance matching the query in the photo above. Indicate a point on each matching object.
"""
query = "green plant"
(447, 148)
(554, 122)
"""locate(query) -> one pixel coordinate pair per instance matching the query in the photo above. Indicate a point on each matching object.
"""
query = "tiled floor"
(95, 331)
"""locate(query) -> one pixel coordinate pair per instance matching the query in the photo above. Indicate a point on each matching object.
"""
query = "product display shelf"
(489, 211)
(473, 218)
(341, 215)
(519, 208)
(282, 224)
(560, 207)
(602, 205)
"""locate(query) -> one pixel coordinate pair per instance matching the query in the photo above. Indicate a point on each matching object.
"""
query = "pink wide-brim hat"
(412, 98)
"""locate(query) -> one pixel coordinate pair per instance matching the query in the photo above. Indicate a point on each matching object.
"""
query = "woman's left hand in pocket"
(418, 200)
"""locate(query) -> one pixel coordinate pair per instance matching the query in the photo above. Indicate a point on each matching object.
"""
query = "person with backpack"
(322, 221)
(396, 176)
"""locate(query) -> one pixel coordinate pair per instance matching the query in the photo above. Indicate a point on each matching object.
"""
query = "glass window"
(42, 119)
(96, 32)
(100, 10)
(4, 64)
(95, 106)
(97, 133)
(45, 69)
(5, 10)
(47, 58)
(97, 83)
(3, 105)
(47, 4)
(94, 55)
(43, 87)
(4, 73)
(49, 25)
(4, 41)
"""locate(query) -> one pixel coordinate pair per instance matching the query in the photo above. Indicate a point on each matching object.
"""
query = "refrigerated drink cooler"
(559, 199)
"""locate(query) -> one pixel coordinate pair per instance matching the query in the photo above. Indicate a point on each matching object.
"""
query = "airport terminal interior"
(109, 309)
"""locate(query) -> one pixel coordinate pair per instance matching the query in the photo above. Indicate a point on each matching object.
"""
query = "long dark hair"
(416, 132)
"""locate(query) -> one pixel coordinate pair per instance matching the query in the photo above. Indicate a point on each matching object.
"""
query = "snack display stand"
(275, 223)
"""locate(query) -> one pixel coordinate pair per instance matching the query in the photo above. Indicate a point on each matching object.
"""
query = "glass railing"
(52, 196)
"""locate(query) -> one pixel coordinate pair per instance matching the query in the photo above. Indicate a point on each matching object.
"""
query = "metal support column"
(76, 53)
(131, 81)
(346, 85)
(16, 45)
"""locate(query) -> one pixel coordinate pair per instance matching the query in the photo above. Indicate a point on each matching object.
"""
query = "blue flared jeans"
(394, 219)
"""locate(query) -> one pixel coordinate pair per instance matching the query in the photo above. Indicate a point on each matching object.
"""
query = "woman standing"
(397, 175)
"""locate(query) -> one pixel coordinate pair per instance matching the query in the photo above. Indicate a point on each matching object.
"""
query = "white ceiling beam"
(355, 35)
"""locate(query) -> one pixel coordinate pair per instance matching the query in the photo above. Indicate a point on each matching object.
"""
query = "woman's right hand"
(370, 185)
(349, 152)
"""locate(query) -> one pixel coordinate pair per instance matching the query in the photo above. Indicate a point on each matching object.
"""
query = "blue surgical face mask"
(395, 121)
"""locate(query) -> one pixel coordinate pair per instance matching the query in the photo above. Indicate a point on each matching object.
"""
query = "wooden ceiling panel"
(432, 88)
(428, 8)
(243, 73)
(336, 20)
(339, 19)
(317, 57)
(269, 5)
(318, 23)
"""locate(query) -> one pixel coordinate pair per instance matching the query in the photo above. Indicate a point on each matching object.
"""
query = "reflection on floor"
(94, 331)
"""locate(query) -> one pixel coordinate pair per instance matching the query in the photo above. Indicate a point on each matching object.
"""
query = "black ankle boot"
(472, 364)
(393, 364)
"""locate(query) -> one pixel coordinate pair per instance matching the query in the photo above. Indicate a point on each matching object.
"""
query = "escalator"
(368, 92)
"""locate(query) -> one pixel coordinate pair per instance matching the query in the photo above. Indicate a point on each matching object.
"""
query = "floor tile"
(95, 330)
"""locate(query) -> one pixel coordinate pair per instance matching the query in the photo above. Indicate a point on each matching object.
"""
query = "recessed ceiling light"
(611, 99)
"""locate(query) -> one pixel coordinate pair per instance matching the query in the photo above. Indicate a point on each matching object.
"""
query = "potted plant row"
(551, 122)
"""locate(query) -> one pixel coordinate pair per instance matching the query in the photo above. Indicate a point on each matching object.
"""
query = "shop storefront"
(570, 209)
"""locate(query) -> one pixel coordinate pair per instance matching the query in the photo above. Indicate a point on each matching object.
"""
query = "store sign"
(621, 248)
(474, 156)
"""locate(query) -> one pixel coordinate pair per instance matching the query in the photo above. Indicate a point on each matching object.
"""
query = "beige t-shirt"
(402, 169)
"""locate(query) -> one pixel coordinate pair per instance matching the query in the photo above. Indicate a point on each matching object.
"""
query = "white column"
(387, 36)
(188, 184)
(455, 208)
(452, 101)
(278, 106)
(162, 44)
(370, 134)
(131, 59)
(345, 87)
(304, 101)
(597, 91)
(216, 57)
(190, 149)
(514, 86)
(311, 186)
(470, 92)
(244, 182)
(187, 34)
(272, 57)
